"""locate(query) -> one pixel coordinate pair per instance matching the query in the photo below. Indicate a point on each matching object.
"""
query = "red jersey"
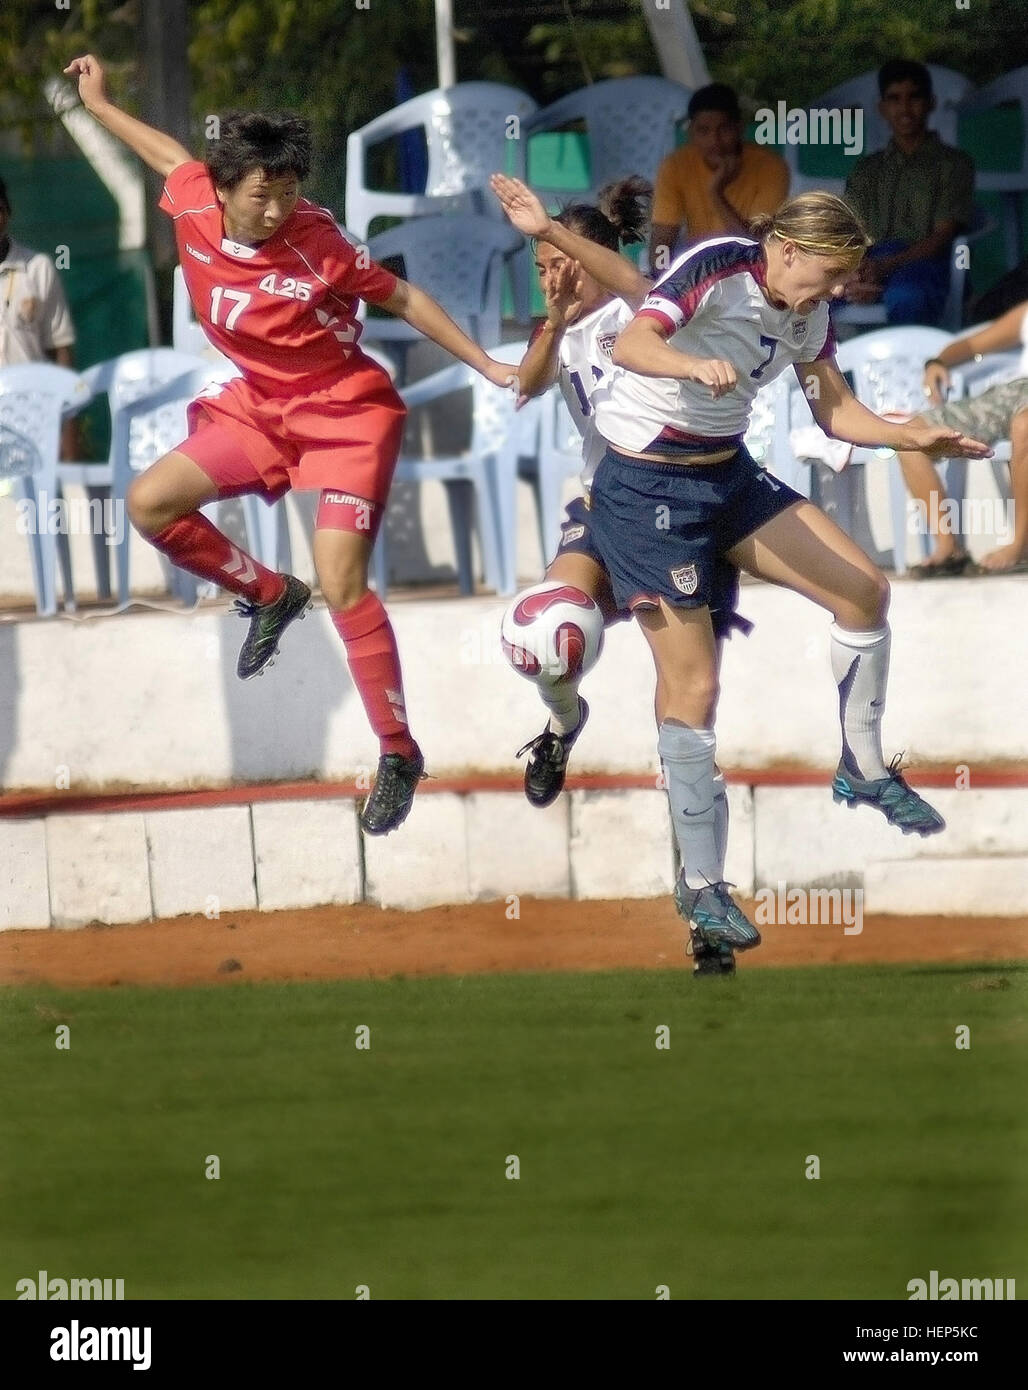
(284, 311)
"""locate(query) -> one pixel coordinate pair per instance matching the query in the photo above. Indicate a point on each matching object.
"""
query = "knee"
(697, 689)
(868, 604)
(343, 586)
(144, 506)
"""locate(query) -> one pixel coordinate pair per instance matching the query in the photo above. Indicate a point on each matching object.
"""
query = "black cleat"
(710, 958)
(546, 768)
(268, 621)
(393, 793)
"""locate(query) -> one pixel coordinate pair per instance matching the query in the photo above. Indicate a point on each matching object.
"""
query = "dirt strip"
(366, 942)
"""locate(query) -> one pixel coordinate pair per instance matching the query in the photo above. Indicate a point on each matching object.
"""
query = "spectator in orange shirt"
(715, 184)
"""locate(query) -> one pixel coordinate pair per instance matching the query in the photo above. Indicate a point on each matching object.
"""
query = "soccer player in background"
(591, 292)
(275, 286)
(676, 493)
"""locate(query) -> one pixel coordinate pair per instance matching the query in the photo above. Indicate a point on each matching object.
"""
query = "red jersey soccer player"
(276, 286)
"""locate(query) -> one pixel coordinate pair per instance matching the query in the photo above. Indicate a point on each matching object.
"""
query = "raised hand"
(563, 293)
(521, 205)
(90, 73)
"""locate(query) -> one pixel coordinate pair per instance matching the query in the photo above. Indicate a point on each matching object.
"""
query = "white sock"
(860, 665)
(561, 699)
(687, 757)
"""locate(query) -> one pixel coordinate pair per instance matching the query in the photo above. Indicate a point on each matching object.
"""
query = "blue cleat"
(898, 803)
(718, 927)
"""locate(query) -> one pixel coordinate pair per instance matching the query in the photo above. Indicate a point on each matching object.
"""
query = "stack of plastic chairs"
(34, 399)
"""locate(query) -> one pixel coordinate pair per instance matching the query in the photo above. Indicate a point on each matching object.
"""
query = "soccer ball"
(553, 631)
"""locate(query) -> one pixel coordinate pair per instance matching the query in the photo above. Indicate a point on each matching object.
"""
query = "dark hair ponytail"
(621, 215)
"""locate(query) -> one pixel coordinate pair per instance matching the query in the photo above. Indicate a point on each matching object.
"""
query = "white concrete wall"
(70, 870)
(151, 699)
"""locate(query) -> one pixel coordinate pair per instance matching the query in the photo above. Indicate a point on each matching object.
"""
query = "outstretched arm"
(422, 312)
(160, 151)
(839, 413)
(614, 272)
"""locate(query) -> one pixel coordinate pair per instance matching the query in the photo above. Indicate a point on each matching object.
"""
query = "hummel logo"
(240, 567)
(199, 255)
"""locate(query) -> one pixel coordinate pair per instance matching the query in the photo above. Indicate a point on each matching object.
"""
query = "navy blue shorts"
(576, 538)
(662, 529)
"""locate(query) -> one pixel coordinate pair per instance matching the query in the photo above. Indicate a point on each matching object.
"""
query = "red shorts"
(344, 437)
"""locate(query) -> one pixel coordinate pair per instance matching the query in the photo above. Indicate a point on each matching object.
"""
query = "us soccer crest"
(606, 343)
(685, 579)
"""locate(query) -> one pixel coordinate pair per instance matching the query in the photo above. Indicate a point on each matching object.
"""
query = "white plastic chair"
(1013, 185)
(458, 261)
(145, 429)
(122, 379)
(34, 399)
(463, 474)
(950, 88)
(631, 124)
(888, 375)
(467, 133)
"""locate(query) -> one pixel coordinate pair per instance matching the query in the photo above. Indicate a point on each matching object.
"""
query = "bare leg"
(1016, 549)
(171, 488)
(925, 486)
(802, 549)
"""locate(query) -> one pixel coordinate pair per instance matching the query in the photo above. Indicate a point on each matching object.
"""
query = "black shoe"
(710, 958)
(546, 768)
(268, 621)
(393, 793)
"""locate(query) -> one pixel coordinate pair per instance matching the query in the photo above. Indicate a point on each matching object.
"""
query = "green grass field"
(639, 1167)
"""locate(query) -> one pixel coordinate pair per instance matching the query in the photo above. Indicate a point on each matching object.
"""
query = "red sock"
(197, 546)
(375, 668)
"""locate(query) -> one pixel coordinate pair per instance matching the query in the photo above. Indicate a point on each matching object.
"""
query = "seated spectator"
(914, 197)
(999, 413)
(717, 183)
(35, 323)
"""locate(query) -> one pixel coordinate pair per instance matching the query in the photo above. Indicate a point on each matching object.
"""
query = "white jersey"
(713, 306)
(1023, 366)
(585, 364)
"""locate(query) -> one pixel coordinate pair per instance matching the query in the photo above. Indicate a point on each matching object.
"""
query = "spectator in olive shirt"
(914, 196)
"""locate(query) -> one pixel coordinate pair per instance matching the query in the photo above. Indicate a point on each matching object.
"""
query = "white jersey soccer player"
(591, 294)
(726, 319)
(585, 365)
(712, 299)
